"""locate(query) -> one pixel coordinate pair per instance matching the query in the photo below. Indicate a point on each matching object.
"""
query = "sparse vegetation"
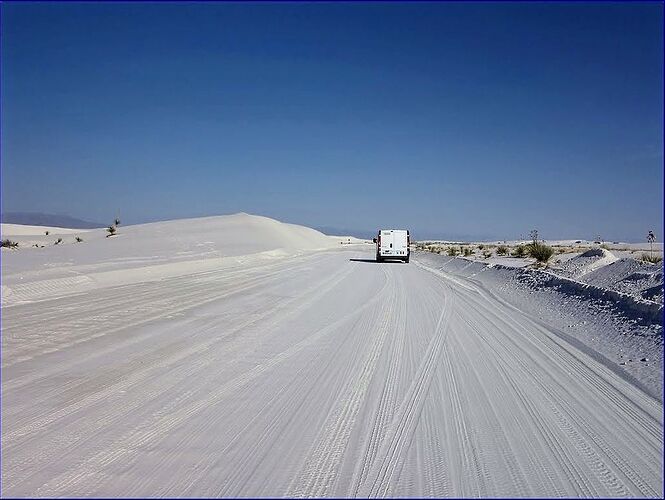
(605, 246)
(519, 251)
(9, 244)
(487, 254)
(467, 252)
(480, 247)
(78, 239)
(452, 251)
(58, 241)
(502, 250)
(111, 230)
(539, 251)
(46, 233)
(653, 259)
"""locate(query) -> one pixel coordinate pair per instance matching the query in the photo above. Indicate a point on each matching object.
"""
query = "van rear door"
(400, 243)
(386, 243)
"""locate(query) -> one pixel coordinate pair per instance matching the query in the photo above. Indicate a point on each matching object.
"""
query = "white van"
(392, 244)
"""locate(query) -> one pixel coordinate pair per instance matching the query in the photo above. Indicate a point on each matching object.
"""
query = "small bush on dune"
(452, 251)
(653, 259)
(502, 250)
(467, 252)
(480, 247)
(9, 244)
(539, 251)
(111, 230)
(58, 241)
(46, 233)
(487, 254)
(519, 251)
(78, 239)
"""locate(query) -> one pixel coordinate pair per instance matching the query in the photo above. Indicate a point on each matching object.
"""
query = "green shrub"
(502, 250)
(452, 251)
(111, 230)
(519, 251)
(480, 247)
(653, 259)
(467, 252)
(78, 239)
(487, 254)
(9, 244)
(540, 251)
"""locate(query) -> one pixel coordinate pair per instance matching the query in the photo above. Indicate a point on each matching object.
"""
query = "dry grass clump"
(519, 251)
(653, 259)
(8, 244)
(540, 251)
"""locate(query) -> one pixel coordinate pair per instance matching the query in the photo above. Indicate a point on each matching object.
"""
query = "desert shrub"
(519, 251)
(540, 251)
(653, 259)
(58, 241)
(46, 233)
(9, 244)
(502, 250)
(605, 246)
(452, 251)
(487, 254)
(111, 230)
(78, 239)
(480, 247)
(467, 252)
(562, 250)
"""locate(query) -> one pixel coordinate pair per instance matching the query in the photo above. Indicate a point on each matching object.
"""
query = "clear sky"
(483, 119)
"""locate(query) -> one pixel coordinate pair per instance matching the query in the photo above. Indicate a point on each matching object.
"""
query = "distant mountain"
(51, 220)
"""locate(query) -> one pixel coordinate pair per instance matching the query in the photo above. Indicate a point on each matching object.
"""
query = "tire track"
(126, 447)
(589, 445)
(321, 465)
(387, 401)
(389, 459)
(149, 366)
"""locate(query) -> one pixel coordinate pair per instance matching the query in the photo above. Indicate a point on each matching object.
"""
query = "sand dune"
(23, 230)
(146, 252)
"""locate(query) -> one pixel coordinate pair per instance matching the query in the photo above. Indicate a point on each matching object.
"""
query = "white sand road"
(316, 375)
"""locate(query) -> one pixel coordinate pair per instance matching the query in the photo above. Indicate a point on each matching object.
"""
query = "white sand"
(22, 230)
(323, 375)
(146, 252)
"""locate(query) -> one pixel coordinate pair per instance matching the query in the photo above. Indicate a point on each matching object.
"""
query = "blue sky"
(483, 119)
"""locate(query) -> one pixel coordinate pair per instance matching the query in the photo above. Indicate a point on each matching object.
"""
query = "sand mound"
(148, 252)
(603, 269)
(630, 276)
(585, 263)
